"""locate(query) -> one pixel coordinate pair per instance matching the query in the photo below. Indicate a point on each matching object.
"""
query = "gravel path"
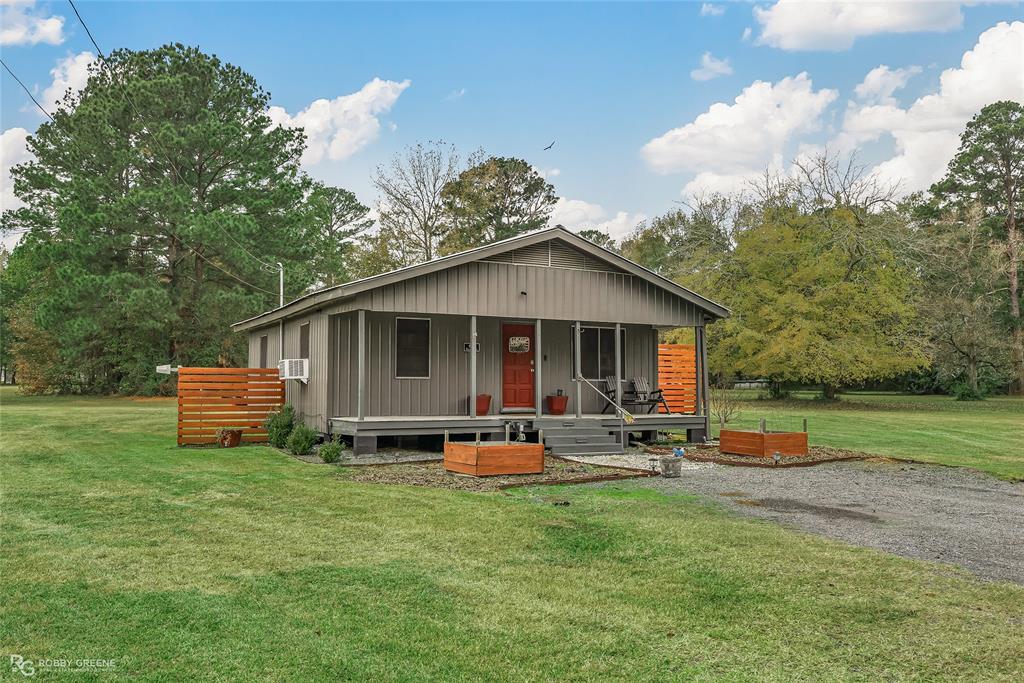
(927, 512)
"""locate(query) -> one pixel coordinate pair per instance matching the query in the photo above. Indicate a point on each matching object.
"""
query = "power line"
(126, 196)
(156, 142)
(27, 91)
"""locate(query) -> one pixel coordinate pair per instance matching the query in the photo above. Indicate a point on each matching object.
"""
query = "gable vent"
(533, 255)
(564, 256)
(554, 253)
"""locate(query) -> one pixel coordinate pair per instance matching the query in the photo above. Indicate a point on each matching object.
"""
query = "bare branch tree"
(411, 208)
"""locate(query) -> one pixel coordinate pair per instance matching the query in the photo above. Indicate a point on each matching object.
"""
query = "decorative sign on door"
(518, 344)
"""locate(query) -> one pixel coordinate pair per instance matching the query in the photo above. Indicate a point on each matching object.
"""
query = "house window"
(412, 348)
(304, 340)
(264, 341)
(598, 352)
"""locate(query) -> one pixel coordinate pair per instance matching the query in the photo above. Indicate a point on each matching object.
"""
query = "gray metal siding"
(310, 400)
(447, 390)
(273, 346)
(487, 288)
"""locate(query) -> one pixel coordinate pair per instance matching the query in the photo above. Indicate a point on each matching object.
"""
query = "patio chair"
(643, 395)
(611, 391)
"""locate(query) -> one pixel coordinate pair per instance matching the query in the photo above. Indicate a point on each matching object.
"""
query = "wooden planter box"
(762, 444)
(490, 459)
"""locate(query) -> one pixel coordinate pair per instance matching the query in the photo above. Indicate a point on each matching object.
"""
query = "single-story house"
(401, 353)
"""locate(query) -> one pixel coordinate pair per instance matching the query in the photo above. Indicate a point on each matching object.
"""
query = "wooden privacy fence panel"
(677, 377)
(234, 398)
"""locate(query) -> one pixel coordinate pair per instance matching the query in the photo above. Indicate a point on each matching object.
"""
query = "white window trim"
(604, 327)
(430, 330)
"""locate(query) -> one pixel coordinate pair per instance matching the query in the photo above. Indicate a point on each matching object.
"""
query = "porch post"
(698, 368)
(705, 381)
(618, 374)
(472, 366)
(361, 364)
(577, 370)
(538, 361)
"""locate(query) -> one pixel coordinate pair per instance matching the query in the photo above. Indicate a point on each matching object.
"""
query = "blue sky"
(613, 84)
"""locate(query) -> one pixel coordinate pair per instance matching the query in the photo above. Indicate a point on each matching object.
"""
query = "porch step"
(588, 449)
(578, 436)
(563, 439)
(557, 424)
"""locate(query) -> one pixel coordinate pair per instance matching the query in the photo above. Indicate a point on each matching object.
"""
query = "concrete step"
(587, 449)
(561, 439)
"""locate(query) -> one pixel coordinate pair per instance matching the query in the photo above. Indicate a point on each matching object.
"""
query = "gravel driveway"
(926, 512)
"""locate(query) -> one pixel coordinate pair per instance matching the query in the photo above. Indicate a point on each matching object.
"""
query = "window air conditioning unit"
(294, 368)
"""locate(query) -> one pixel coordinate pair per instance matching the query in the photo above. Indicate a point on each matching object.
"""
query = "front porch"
(422, 376)
(407, 425)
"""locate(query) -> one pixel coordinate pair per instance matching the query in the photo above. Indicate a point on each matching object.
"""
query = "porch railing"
(625, 417)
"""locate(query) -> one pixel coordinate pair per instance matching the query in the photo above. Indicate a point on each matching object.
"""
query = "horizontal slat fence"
(677, 377)
(234, 398)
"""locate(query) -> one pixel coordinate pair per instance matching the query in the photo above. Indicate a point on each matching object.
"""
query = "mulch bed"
(816, 456)
(433, 474)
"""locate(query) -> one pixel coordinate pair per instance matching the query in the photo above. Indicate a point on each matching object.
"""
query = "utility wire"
(27, 91)
(156, 142)
(128, 197)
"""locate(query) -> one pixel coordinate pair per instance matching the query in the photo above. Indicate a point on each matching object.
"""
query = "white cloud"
(711, 68)
(576, 215)
(881, 82)
(710, 10)
(12, 152)
(548, 173)
(336, 129)
(927, 133)
(72, 72)
(732, 142)
(456, 94)
(835, 25)
(747, 32)
(23, 24)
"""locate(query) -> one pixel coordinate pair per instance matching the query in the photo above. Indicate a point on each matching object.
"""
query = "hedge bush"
(331, 450)
(279, 426)
(302, 439)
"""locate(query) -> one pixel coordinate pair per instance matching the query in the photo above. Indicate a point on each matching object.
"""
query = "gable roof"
(487, 251)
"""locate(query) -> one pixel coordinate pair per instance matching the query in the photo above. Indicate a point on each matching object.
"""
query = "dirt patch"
(815, 456)
(433, 474)
(789, 505)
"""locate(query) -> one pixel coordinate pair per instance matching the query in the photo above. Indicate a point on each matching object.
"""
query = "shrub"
(279, 426)
(301, 440)
(331, 450)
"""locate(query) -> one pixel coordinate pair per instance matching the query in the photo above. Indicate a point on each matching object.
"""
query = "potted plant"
(557, 403)
(483, 404)
(229, 438)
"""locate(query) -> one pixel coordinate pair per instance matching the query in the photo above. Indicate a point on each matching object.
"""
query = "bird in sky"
(549, 146)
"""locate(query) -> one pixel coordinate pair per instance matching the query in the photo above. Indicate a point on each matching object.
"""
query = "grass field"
(245, 564)
(987, 435)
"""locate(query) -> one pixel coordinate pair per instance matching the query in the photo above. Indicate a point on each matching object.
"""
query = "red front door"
(517, 366)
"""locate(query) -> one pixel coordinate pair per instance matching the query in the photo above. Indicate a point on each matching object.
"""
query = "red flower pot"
(229, 438)
(557, 404)
(483, 404)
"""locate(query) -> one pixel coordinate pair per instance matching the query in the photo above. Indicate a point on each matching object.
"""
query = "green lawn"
(987, 435)
(249, 565)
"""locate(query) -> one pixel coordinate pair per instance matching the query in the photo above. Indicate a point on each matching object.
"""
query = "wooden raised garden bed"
(762, 444)
(482, 460)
